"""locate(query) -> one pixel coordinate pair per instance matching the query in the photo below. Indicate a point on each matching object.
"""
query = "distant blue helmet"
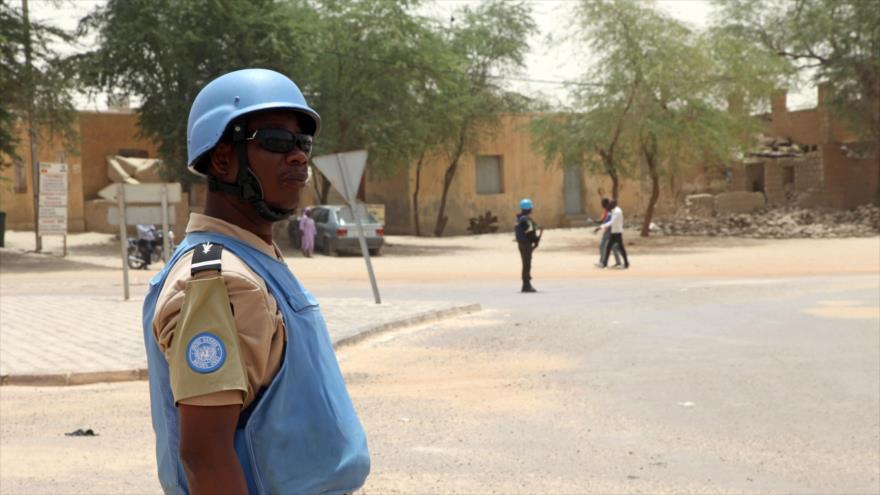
(234, 95)
(525, 204)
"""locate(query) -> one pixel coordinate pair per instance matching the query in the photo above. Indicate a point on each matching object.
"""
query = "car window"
(345, 216)
(320, 215)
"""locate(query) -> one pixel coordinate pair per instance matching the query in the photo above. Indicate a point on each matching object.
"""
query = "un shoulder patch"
(205, 353)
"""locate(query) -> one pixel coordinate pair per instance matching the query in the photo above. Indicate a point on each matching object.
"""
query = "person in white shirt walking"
(615, 223)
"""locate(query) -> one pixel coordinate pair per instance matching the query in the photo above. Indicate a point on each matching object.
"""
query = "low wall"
(738, 202)
(96, 216)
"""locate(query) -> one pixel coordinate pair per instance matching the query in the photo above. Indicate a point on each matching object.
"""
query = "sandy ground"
(563, 254)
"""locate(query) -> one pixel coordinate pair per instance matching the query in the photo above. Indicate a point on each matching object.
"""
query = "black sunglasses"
(281, 140)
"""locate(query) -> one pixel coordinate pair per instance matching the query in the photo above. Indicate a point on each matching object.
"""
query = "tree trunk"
(650, 152)
(324, 194)
(447, 182)
(611, 170)
(615, 184)
(317, 182)
(416, 194)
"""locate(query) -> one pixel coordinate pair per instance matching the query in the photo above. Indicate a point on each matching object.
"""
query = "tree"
(490, 41)
(585, 138)
(45, 88)
(662, 96)
(835, 41)
(378, 66)
(164, 52)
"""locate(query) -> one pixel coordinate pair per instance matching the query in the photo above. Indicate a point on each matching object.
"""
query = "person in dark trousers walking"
(528, 236)
(606, 236)
(615, 226)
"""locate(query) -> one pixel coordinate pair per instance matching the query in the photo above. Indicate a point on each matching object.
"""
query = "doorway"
(572, 187)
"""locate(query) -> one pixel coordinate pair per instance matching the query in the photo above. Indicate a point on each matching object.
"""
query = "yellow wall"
(19, 205)
(99, 134)
(103, 134)
(524, 175)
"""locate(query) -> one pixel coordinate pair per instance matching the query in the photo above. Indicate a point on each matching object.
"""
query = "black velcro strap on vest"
(206, 256)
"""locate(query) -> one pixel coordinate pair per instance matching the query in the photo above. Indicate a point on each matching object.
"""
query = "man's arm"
(207, 449)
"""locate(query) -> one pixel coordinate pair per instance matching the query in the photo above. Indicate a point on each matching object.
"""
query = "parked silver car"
(337, 230)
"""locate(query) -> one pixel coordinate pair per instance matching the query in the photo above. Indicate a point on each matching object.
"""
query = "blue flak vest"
(302, 434)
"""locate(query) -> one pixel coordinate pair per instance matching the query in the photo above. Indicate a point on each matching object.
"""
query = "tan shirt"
(255, 315)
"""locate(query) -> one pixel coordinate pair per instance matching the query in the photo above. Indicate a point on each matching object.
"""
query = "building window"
(20, 176)
(489, 174)
(787, 175)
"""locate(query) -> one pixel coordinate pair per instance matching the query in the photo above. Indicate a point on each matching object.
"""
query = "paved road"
(592, 386)
(727, 386)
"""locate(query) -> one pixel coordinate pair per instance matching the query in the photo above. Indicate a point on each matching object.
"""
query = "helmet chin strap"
(247, 186)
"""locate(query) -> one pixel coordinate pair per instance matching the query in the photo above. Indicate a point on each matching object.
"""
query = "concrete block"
(700, 205)
(738, 202)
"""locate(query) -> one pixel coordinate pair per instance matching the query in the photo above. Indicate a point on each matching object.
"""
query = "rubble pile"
(780, 223)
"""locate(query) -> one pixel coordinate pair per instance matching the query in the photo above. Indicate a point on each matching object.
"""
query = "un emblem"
(205, 353)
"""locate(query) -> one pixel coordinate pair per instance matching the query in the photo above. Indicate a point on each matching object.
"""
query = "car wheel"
(375, 251)
(326, 247)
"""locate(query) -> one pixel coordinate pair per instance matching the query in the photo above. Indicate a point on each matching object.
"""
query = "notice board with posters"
(53, 199)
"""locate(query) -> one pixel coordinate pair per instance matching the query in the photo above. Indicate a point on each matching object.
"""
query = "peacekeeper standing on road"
(246, 393)
(528, 236)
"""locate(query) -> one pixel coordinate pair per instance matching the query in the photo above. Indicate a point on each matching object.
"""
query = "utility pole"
(32, 135)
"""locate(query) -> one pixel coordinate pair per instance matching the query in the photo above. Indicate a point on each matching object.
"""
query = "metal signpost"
(344, 171)
(53, 201)
(150, 194)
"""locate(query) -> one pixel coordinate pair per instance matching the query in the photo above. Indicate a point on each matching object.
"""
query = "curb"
(140, 374)
(74, 378)
(406, 322)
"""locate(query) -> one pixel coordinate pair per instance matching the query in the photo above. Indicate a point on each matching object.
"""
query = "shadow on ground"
(18, 262)
(657, 244)
(390, 250)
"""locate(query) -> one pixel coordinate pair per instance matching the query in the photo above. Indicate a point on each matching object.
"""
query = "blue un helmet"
(525, 204)
(235, 95)
(221, 106)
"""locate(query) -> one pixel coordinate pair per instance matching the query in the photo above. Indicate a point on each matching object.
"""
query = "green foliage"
(486, 42)
(49, 87)
(659, 97)
(489, 42)
(377, 72)
(836, 41)
(165, 51)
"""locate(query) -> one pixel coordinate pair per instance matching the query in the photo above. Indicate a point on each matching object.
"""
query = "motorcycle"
(136, 260)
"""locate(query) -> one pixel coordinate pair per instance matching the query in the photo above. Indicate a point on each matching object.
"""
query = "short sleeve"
(205, 357)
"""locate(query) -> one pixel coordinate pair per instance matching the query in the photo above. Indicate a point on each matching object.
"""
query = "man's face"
(281, 175)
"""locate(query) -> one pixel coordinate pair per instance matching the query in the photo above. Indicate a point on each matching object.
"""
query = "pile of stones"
(780, 223)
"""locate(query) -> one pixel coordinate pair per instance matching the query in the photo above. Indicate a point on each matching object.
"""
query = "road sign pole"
(123, 237)
(352, 203)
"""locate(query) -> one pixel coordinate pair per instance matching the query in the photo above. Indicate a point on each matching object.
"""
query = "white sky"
(546, 60)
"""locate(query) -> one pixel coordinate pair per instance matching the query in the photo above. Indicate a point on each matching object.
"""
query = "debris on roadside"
(780, 223)
(79, 432)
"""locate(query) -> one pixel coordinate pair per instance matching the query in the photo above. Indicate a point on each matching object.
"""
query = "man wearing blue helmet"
(528, 235)
(245, 390)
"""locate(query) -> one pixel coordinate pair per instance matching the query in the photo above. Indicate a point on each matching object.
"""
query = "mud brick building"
(807, 159)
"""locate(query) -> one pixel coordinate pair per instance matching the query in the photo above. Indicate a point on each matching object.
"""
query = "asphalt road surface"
(733, 386)
(617, 386)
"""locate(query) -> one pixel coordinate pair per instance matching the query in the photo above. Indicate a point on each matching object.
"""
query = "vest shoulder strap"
(206, 256)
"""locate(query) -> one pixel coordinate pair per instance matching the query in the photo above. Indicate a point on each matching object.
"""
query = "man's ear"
(224, 163)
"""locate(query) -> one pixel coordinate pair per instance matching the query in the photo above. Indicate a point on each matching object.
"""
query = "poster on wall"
(53, 199)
